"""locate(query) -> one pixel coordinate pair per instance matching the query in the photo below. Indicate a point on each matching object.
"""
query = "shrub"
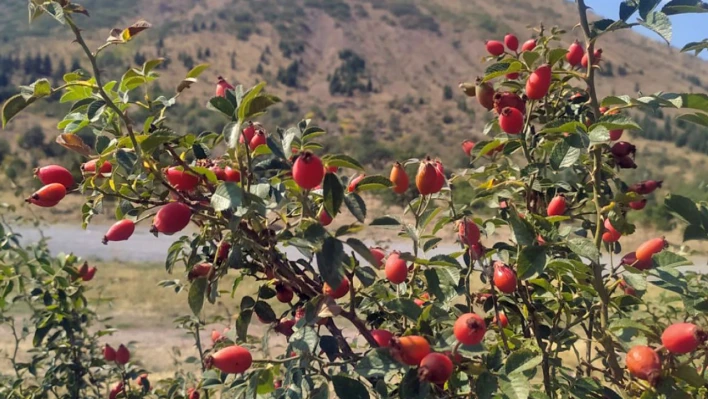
(542, 310)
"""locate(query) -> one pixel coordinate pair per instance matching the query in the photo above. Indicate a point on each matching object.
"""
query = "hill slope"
(374, 71)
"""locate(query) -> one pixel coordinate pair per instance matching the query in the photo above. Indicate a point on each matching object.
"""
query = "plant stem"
(596, 154)
(101, 92)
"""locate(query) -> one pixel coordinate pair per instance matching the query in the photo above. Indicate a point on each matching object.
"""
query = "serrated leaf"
(13, 106)
(342, 161)
(563, 155)
(333, 193)
(222, 105)
(659, 22)
(531, 262)
(375, 182)
(486, 385)
(522, 360)
(95, 110)
(522, 230)
(405, 307)
(562, 126)
(197, 70)
(329, 262)
(376, 363)
(196, 295)
(356, 206)
(228, 195)
(501, 68)
(265, 312)
(385, 221)
(585, 248)
(349, 388)
(412, 387)
(670, 259)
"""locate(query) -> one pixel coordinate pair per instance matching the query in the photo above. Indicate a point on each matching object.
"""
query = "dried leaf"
(73, 143)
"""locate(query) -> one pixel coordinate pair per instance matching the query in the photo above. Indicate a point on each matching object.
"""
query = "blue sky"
(686, 28)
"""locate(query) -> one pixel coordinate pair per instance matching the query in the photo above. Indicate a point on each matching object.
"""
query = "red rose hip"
(511, 120)
(682, 338)
(469, 329)
(55, 174)
(308, 171)
(120, 231)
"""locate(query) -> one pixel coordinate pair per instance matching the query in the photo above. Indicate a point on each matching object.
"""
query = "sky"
(686, 28)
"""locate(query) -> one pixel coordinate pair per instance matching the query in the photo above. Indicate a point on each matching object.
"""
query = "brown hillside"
(412, 49)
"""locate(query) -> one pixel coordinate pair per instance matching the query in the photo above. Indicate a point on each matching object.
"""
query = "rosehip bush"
(558, 313)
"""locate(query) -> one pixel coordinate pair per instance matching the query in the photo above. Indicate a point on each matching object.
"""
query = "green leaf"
(275, 147)
(95, 110)
(620, 324)
(563, 155)
(349, 388)
(231, 133)
(364, 251)
(333, 194)
(197, 70)
(305, 340)
(329, 262)
(375, 182)
(342, 161)
(228, 195)
(376, 363)
(599, 134)
(13, 106)
(522, 231)
(690, 375)
(696, 47)
(515, 386)
(243, 104)
(222, 105)
(406, 307)
(55, 10)
(265, 312)
(670, 259)
(659, 22)
(126, 159)
(584, 247)
(556, 55)
(502, 68)
(562, 126)
(385, 221)
(531, 262)
(646, 6)
(486, 385)
(627, 9)
(683, 207)
(356, 206)
(619, 121)
(242, 323)
(412, 387)
(196, 295)
(257, 106)
(522, 360)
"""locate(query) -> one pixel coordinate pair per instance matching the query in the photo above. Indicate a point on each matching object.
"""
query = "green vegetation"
(350, 76)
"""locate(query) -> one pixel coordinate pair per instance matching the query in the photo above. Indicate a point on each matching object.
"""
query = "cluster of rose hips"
(644, 363)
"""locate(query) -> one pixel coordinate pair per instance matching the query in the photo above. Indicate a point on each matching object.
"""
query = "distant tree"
(75, 65)
(33, 138)
(233, 61)
(289, 75)
(207, 52)
(139, 58)
(447, 92)
(60, 71)
(5, 149)
(199, 53)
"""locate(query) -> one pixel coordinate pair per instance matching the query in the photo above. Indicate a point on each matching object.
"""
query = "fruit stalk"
(596, 154)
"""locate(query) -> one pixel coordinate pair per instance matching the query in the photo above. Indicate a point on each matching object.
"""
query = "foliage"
(573, 312)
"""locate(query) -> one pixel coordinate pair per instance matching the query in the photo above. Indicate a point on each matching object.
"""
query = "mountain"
(382, 74)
